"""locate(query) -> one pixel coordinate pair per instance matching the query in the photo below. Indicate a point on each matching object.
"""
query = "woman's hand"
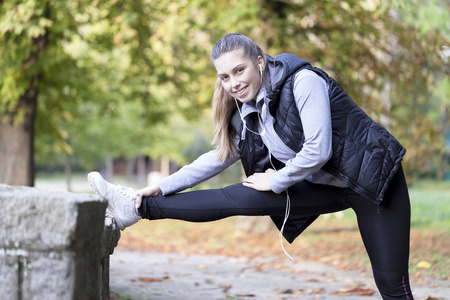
(259, 181)
(150, 191)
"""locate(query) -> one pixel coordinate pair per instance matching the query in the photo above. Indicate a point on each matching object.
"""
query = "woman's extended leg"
(385, 231)
(209, 205)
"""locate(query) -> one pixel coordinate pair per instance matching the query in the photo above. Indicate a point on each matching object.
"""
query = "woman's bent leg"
(209, 205)
(385, 231)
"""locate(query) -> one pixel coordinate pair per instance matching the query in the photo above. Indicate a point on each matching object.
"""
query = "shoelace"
(129, 193)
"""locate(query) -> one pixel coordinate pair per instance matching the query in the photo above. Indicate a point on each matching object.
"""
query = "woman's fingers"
(259, 181)
(138, 201)
(150, 191)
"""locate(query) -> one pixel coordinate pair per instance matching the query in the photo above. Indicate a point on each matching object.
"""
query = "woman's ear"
(261, 61)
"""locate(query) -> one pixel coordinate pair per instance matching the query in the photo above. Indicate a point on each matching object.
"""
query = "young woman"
(306, 148)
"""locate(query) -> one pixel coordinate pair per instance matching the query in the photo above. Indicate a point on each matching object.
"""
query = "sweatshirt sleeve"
(311, 97)
(203, 168)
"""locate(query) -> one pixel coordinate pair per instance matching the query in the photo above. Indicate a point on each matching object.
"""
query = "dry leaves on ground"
(355, 290)
(336, 242)
(153, 279)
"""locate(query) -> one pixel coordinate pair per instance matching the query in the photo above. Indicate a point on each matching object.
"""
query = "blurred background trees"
(84, 83)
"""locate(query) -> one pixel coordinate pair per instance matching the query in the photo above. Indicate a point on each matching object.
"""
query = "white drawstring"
(288, 199)
(245, 124)
(286, 213)
(286, 216)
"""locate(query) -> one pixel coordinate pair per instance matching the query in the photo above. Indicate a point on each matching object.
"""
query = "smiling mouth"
(241, 91)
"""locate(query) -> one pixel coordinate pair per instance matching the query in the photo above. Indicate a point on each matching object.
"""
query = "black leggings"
(384, 229)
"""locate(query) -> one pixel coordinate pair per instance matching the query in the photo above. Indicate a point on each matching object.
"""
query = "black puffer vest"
(365, 155)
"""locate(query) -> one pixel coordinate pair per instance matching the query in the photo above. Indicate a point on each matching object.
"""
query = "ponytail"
(223, 105)
(223, 108)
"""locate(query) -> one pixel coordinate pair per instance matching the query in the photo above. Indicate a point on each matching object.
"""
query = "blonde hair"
(223, 105)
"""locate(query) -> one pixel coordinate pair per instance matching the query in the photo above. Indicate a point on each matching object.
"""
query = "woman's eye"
(224, 78)
(239, 71)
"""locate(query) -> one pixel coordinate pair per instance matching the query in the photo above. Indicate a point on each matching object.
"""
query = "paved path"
(163, 276)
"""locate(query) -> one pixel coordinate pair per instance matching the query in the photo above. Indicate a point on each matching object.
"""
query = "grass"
(115, 296)
(430, 205)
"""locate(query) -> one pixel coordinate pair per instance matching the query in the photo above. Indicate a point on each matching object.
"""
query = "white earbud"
(260, 71)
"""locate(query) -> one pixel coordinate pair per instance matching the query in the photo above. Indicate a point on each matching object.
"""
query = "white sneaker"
(120, 200)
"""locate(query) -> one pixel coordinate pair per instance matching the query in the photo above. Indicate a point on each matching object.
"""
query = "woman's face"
(239, 75)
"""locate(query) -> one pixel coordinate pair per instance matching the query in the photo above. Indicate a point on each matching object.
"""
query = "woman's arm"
(201, 169)
(313, 103)
(311, 96)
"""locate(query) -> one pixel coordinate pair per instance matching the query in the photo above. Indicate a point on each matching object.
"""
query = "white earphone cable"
(288, 199)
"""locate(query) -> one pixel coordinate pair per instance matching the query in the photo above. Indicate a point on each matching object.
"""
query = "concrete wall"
(54, 245)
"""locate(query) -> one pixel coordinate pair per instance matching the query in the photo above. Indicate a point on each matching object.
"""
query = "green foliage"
(125, 78)
(427, 16)
(425, 105)
(20, 24)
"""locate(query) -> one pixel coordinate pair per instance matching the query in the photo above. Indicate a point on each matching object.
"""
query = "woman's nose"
(236, 83)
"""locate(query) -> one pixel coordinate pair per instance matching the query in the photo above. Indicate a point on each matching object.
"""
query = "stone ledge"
(54, 245)
(42, 219)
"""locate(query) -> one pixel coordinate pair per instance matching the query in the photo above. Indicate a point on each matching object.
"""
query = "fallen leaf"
(309, 292)
(317, 291)
(357, 290)
(287, 291)
(226, 288)
(153, 279)
(423, 264)
(313, 280)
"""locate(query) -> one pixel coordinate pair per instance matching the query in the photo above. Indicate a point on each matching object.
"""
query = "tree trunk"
(165, 166)
(17, 143)
(442, 169)
(17, 125)
(259, 224)
(130, 169)
(141, 170)
(68, 171)
(109, 167)
(385, 117)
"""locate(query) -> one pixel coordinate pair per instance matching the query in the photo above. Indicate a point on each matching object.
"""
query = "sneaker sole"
(110, 209)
